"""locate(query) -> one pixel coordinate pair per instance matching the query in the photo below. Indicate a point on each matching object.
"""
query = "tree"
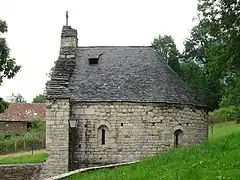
(191, 69)
(8, 66)
(231, 95)
(222, 21)
(166, 49)
(214, 45)
(39, 99)
(3, 105)
(196, 79)
(195, 45)
(16, 98)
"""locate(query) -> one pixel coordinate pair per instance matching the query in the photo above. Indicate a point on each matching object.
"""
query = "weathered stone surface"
(58, 86)
(58, 108)
(57, 138)
(133, 130)
(20, 172)
(13, 126)
(67, 31)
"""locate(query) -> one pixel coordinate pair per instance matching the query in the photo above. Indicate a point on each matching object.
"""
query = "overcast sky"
(34, 29)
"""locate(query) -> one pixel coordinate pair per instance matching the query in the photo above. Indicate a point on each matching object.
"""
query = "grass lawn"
(214, 160)
(217, 159)
(25, 157)
(223, 129)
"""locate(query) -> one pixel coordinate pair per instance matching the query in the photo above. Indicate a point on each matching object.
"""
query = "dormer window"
(93, 61)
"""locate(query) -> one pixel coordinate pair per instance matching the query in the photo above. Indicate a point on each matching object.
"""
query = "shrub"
(12, 142)
(36, 125)
(20, 143)
(230, 113)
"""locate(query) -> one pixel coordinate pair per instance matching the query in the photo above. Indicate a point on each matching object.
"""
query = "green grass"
(223, 129)
(37, 157)
(216, 159)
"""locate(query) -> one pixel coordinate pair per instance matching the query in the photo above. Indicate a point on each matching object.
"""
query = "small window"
(93, 61)
(103, 136)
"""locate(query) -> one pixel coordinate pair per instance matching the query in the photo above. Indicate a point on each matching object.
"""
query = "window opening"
(103, 136)
(178, 137)
(93, 61)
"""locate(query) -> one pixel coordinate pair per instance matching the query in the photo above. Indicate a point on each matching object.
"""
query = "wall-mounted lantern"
(72, 121)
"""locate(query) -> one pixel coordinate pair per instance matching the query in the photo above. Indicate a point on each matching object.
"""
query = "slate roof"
(23, 112)
(126, 73)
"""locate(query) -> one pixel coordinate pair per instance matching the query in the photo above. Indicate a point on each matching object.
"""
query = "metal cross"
(66, 18)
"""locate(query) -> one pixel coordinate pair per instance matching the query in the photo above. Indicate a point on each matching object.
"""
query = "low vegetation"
(15, 142)
(223, 129)
(215, 159)
(230, 113)
(26, 157)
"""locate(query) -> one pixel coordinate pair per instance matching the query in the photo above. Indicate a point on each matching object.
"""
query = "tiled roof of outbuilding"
(23, 112)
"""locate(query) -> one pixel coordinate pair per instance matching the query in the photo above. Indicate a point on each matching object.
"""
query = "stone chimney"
(64, 66)
(69, 42)
(58, 106)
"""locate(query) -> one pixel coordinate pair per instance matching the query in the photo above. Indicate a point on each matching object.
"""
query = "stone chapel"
(127, 104)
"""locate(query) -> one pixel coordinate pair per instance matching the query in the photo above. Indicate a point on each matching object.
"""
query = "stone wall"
(57, 138)
(58, 109)
(13, 126)
(133, 130)
(20, 171)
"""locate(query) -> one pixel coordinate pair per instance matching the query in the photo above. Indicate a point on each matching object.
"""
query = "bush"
(36, 125)
(13, 142)
(230, 113)
(20, 143)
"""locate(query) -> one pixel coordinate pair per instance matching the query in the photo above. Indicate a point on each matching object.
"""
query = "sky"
(34, 30)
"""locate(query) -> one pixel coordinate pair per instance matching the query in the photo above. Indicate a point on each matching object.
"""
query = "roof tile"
(23, 112)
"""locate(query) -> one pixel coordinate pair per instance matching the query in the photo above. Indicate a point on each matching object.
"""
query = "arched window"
(102, 135)
(178, 137)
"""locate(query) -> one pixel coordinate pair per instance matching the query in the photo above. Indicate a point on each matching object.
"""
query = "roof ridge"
(24, 103)
(114, 46)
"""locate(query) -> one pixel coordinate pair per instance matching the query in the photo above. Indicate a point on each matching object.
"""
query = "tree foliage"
(8, 66)
(222, 19)
(3, 105)
(230, 113)
(16, 98)
(39, 99)
(195, 78)
(194, 45)
(231, 95)
(166, 49)
(214, 45)
(191, 67)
